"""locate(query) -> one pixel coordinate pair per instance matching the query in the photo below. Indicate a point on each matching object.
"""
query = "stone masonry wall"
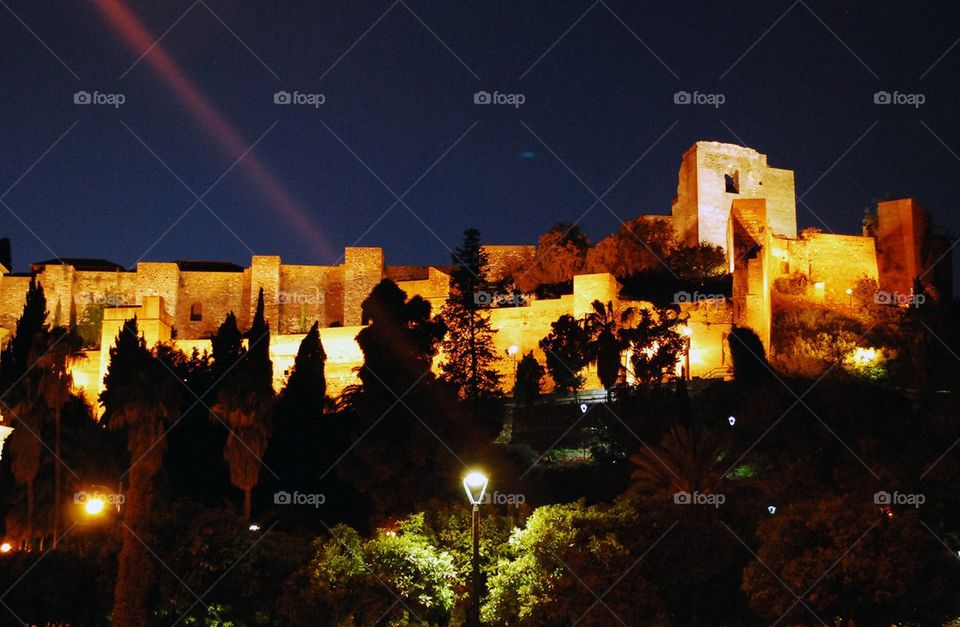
(363, 269)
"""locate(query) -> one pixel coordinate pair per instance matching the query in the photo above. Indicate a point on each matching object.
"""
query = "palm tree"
(25, 448)
(604, 326)
(55, 385)
(687, 460)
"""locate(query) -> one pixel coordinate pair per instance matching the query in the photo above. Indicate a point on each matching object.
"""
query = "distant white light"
(254, 527)
(732, 420)
(513, 350)
(583, 407)
(772, 509)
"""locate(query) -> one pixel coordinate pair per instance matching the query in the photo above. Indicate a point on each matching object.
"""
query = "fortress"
(727, 195)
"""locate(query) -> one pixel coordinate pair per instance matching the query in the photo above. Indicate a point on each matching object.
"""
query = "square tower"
(713, 175)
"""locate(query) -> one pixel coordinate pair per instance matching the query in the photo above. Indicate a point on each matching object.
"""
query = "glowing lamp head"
(849, 292)
(687, 331)
(513, 350)
(6, 547)
(475, 485)
(819, 285)
(94, 506)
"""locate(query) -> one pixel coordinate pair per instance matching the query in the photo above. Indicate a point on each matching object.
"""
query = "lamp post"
(475, 485)
(512, 352)
(688, 332)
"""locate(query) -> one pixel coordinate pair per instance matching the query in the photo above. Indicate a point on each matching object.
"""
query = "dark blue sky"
(798, 81)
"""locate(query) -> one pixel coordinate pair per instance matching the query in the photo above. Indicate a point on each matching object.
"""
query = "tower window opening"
(196, 312)
(732, 182)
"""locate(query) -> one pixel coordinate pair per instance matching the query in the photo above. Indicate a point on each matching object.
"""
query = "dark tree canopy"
(470, 357)
(566, 353)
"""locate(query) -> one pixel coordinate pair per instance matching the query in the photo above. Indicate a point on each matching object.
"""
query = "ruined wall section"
(13, 296)
(686, 203)
(265, 275)
(215, 294)
(751, 254)
(435, 288)
(721, 173)
(159, 279)
(362, 271)
(836, 261)
(901, 227)
(303, 298)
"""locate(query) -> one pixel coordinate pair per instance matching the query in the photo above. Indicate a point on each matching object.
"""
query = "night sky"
(598, 82)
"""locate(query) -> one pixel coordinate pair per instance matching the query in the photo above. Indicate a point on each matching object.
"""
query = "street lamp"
(688, 333)
(94, 505)
(475, 485)
(512, 352)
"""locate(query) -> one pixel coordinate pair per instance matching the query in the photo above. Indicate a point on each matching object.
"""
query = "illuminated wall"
(712, 175)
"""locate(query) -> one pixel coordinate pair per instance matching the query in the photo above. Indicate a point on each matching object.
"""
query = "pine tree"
(528, 380)
(307, 386)
(31, 324)
(468, 347)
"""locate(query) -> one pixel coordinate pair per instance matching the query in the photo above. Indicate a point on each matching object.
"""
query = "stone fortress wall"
(727, 195)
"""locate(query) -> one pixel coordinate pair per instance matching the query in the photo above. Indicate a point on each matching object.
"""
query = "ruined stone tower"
(713, 175)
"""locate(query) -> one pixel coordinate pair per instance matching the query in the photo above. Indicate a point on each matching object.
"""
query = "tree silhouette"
(244, 402)
(62, 348)
(655, 345)
(400, 406)
(687, 459)
(31, 324)
(566, 352)
(306, 387)
(470, 358)
(607, 341)
(140, 397)
(529, 379)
